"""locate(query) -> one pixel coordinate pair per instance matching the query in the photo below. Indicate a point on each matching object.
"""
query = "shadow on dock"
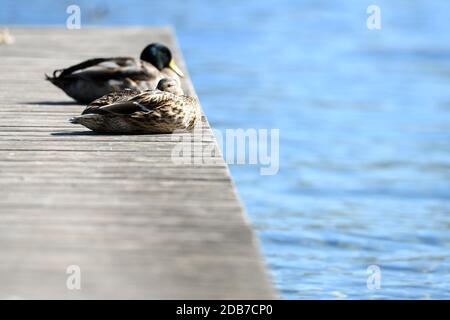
(52, 103)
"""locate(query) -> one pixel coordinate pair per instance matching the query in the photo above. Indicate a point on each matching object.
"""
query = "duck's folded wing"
(111, 98)
(124, 108)
(102, 73)
(103, 63)
(144, 102)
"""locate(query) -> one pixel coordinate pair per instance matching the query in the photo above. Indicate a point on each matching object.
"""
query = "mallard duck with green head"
(94, 78)
(162, 110)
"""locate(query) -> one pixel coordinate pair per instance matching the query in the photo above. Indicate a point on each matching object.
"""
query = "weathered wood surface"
(137, 224)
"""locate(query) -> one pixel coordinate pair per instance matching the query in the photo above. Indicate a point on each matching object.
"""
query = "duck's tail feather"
(75, 120)
(56, 80)
(83, 118)
(91, 121)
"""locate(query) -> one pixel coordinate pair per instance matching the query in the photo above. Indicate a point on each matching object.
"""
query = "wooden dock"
(137, 224)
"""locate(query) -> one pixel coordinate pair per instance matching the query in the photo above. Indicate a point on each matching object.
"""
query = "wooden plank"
(138, 224)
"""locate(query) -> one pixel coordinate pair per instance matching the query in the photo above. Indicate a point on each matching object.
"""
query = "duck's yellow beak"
(175, 68)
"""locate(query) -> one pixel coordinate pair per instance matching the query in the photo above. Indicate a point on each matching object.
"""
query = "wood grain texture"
(138, 224)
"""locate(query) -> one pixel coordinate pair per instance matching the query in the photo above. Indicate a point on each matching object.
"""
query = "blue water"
(364, 119)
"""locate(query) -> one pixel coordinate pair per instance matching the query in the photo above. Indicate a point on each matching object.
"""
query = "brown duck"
(162, 110)
(94, 78)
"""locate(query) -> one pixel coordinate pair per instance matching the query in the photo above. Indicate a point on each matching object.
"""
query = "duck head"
(170, 85)
(161, 57)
